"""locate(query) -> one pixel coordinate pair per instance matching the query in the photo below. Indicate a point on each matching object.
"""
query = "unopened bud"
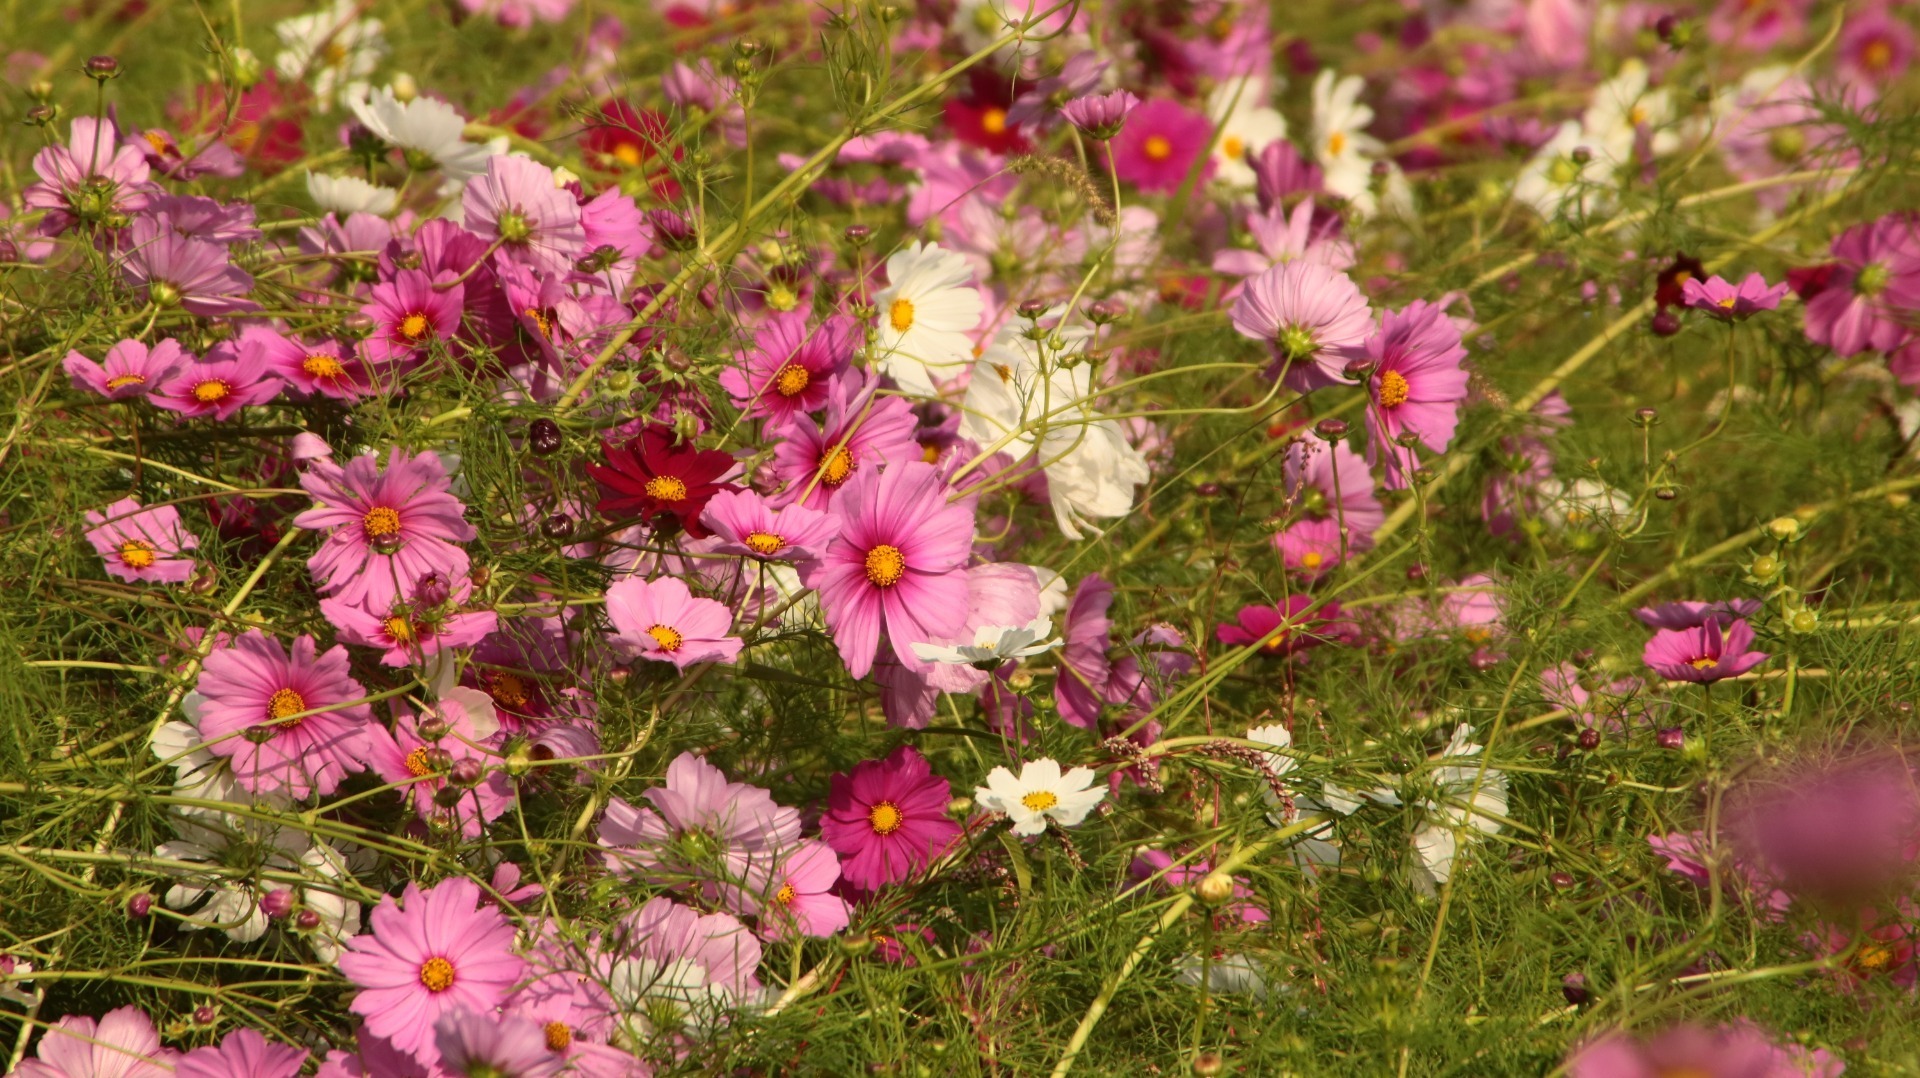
(205, 1015)
(38, 116)
(1208, 1064)
(139, 905)
(1671, 737)
(306, 920)
(1803, 621)
(1214, 888)
(1784, 529)
(102, 68)
(1589, 739)
(277, 904)
(1764, 567)
(1331, 430)
(467, 772)
(1665, 324)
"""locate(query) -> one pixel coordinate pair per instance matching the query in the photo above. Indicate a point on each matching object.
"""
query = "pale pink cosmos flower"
(1312, 317)
(799, 898)
(518, 205)
(1330, 488)
(1417, 387)
(1280, 237)
(323, 368)
(701, 965)
(122, 1044)
(243, 1053)
(177, 271)
(253, 703)
(142, 545)
(385, 529)
(747, 524)
(710, 835)
(91, 179)
(1873, 291)
(663, 621)
(1738, 1050)
(129, 370)
(422, 769)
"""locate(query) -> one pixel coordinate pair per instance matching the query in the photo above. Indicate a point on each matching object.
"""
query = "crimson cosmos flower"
(650, 477)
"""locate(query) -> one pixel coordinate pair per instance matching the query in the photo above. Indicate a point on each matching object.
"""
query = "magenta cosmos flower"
(217, 388)
(477, 1044)
(1875, 279)
(388, 529)
(1840, 831)
(242, 1054)
(1694, 614)
(417, 627)
(1311, 316)
(431, 954)
(122, 1044)
(1730, 302)
(1091, 678)
(323, 368)
(421, 770)
(92, 179)
(746, 524)
(409, 314)
(518, 205)
(179, 271)
(1740, 1050)
(709, 835)
(130, 369)
(1875, 48)
(1159, 144)
(1100, 116)
(1417, 385)
(888, 819)
(799, 896)
(663, 621)
(1331, 491)
(253, 696)
(864, 432)
(1285, 629)
(788, 367)
(896, 563)
(1705, 654)
(142, 545)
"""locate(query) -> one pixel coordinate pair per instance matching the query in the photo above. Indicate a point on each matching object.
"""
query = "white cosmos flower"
(927, 310)
(1038, 794)
(993, 645)
(198, 773)
(233, 903)
(1620, 107)
(1247, 124)
(342, 195)
(1227, 974)
(1553, 182)
(425, 127)
(1340, 141)
(1466, 798)
(1582, 504)
(330, 49)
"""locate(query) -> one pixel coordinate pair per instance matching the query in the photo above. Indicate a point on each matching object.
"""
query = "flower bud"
(1561, 880)
(557, 527)
(1106, 311)
(1646, 417)
(856, 943)
(1358, 370)
(432, 727)
(1589, 739)
(205, 1015)
(1574, 987)
(858, 235)
(1764, 567)
(1208, 1064)
(1214, 888)
(445, 797)
(277, 904)
(1803, 621)
(1784, 529)
(432, 589)
(1581, 155)
(102, 68)
(466, 772)
(1331, 430)
(1671, 737)
(306, 920)
(544, 437)
(1665, 324)
(139, 904)
(1031, 309)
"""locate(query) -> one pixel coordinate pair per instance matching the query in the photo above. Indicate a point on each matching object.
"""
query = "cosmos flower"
(1159, 145)
(1692, 615)
(324, 368)
(344, 195)
(1313, 318)
(1040, 794)
(863, 431)
(1340, 144)
(122, 1044)
(1330, 489)
(1245, 124)
(330, 49)
(142, 545)
(518, 205)
(1417, 386)
(178, 271)
(927, 310)
(228, 380)
(682, 969)
(1738, 1050)
(131, 369)
(243, 1053)
(1875, 278)
(1280, 236)
(386, 529)
(251, 705)
(650, 478)
(994, 644)
(1100, 116)
(410, 313)
(1704, 655)
(788, 368)
(427, 129)
(799, 895)
(888, 819)
(1287, 628)
(91, 180)
(716, 837)
(1732, 303)
(662, 620)
(745, 523)
(423, 770)
(482, 1044)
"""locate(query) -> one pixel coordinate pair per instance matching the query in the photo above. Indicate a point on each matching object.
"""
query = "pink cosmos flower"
(1101, 116)
(416, 628)
(888, 819)
(1280, 237)
(1875, 48)
(122, 1044)
(1313, 318)
(896, 563)
(243, 1053)
(663, 621)
(1161, 141)
(224, 223)
(433, 953)
(747, 524)
(1279, 171)
(799, 899)
(1838, 831)
(177, 271)
(1687, 854)
(717, 837)
(681, 956)
(1732, 303)
(250, 704)
(228, 380)
(788, 368)
(388, 528)
(142, 545)
(91, 179)
(1757, 25)
(409, 314)
(864, 432)
(376, 1058)
(1090, 679)
(1329, 486)
(422, 769)
(1694, 615)
(164, 155)
(1287, 628)
(1417, 385)
(1739, 1050)
(518, 15)
(130, 369)
(482, 1044)
(518, 205)
(323, 368)
(1875, 279)
(1034, 109)
(1703, 655)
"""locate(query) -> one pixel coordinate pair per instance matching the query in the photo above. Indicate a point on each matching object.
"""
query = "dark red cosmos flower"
(266, 125)
(626, 138)
(650, 477)
(1669, 285)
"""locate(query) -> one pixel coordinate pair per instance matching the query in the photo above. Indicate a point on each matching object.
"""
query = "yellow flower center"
(1234, 147)
(1704, 663)
(284, 703)
(900, 315)
(417, 764)
(885, 566)
(1684, 1072)
(627, 153)
(559, 1036)
(399, 628)
(415, 326)
(122, 381)
(380, 521)
(1336, 143)
(158, 141)
(212, 391)
(792, 380)
(1311, 560)
(666, 488)
(1157, 148)
(786, 894)
(837, 467)
(1394, 389)
(322, 365)
(930, 453)
(509, 690)
(765, 544)
(1040, 800)
(994, 121)
(541, 319)
(437, 974)
(667, 637)
(1729, 302)
(137, 554)
(1872, 956)
(1637, 115)
(1877, 55)
(335, 54)
(782, 298)
(886, 818)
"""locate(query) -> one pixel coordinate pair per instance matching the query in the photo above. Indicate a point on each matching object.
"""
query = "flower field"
(959, 537)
